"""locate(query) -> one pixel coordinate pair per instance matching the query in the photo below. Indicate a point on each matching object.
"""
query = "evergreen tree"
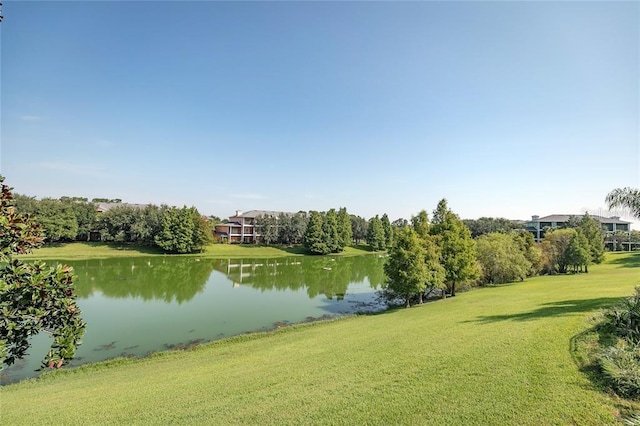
(344, 227)
(330, 228)
(388, 230)
(405, 268)
(420, 224)
(457, 249)
(436, 273)
(314, 238)
(375, 234)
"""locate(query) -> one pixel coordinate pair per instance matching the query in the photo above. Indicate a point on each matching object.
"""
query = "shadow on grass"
(564, 307)
(626, 261)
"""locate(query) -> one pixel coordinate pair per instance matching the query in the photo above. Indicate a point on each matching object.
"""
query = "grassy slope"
(490, 356)
(102, 250)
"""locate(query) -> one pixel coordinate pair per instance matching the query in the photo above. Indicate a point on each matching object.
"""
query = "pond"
(137, 306)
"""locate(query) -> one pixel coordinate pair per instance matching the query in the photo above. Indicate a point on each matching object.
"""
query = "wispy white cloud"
(90, 170)
(249, 196)
(26, 117)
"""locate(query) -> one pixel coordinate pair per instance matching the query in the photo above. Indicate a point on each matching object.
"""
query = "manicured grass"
(104, 250)
(492, 356)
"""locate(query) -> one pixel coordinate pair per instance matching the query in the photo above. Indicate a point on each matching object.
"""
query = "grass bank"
(493, 356)
(90, 250)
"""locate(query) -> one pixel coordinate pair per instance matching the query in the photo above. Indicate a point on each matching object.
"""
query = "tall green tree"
(388, 230)
(420, 224)
(592, 230)
(436, 273)
(577, 254)
(344, 227)
(144, 224)
(405, 268)
(315, 238)
(183, 231)
(359, 228)
(375, 234)
(85, 214)
(299, 226)
(285, 229)
(628, 198)
(556, 245)
(33, 296)
(268, 228)
(531, 251)
(116, 224)
(331, 234)
(457, 248)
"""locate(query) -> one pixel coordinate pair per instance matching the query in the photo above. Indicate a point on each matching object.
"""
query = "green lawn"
(104, 250)
(492, 356)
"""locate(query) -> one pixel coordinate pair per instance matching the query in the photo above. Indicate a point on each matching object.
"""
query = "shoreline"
(99, 250)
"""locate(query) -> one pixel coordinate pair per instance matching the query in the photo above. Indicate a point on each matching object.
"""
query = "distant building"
(241, 227)
(610, 225)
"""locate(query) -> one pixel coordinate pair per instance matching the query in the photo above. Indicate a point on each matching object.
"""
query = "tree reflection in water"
(329, 276)
(170, 279)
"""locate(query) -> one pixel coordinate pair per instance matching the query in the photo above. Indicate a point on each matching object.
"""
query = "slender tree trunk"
(420, 298)
(408, 297)
(453, 289)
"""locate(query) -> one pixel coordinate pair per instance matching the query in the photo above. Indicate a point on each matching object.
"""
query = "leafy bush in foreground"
(620, 365)
(623, 320)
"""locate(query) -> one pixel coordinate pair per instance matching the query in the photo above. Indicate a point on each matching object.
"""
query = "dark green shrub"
(620, 366)
(623, 320)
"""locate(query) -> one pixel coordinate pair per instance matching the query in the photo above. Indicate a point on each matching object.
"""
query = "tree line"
(437, 256)
(171, 229)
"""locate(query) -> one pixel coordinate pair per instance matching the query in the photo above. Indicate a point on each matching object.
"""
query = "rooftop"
(565, 218)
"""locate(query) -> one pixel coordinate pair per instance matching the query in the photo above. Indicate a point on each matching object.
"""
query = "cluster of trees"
(328, 232)
(442, 253)
(64, 219)
(573, 248)
(507, 257)
(282, 229)
(172, 229)
(511, 256)
(430, 255)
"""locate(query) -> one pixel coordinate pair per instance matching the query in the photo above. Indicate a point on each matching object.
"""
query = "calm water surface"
(136, 306)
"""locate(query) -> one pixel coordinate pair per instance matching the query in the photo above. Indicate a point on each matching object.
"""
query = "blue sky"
(504, 108)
